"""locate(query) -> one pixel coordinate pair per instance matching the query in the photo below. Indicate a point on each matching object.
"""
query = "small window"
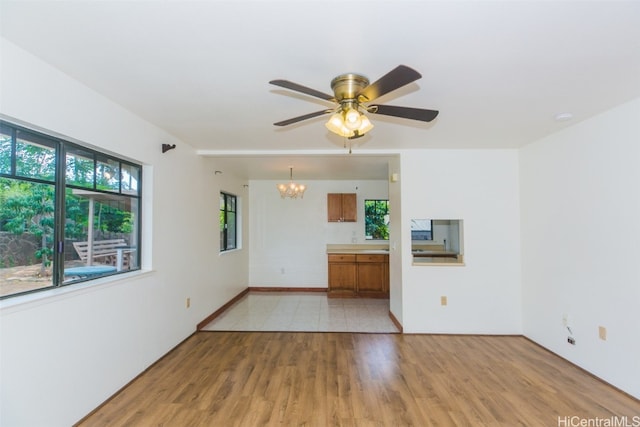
(107, 174)
(376, 219)
(130, 178)
(35, 157)
(80, 167)
(228, 222)
(437, 242)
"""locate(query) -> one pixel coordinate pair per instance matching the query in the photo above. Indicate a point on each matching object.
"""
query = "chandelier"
(292, 189)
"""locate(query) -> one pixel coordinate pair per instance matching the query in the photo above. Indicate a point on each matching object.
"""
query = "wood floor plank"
(350, 379)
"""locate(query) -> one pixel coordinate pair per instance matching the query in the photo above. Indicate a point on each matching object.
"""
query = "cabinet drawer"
(342, 258)
(371, 258)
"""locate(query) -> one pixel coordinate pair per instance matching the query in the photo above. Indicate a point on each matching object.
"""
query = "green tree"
(113, 219)
(76, 210)
(376, 219)
(29, 207)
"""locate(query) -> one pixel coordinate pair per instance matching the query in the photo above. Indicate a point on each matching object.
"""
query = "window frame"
(59, 182)
(224, 211)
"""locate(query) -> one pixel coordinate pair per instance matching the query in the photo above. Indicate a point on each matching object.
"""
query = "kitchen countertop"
(382, 249)
(358, 249)
(420, 256)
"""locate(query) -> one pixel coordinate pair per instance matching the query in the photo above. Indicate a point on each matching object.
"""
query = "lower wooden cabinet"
(342, 274)
(373, 276)
(352, 275)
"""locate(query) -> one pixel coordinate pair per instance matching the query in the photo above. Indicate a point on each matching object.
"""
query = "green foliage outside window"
(376, 219)
(27, 207)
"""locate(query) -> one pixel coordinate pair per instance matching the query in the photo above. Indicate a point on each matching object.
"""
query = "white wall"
(396, 239)
(289, 237)
(580, 239)
(64, 352)
(479, 187)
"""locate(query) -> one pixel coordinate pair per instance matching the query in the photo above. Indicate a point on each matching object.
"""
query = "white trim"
(280, 153)
(35, 299)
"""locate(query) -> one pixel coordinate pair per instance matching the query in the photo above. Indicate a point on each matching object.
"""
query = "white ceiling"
(498, 71)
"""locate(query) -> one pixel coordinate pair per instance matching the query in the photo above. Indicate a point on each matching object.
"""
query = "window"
(67, 213)
(376, 219)
(228, 222)
(421, 229)
(437, 242)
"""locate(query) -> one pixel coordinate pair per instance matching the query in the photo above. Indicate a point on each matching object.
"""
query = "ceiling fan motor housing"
(347, 86)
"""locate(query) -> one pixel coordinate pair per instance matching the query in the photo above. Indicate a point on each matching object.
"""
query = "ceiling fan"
(352, 93)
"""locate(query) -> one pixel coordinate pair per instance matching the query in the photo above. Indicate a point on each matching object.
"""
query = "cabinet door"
(334, 207)
(371, 277)
(349, 207)
(342, 207)
(342, 277)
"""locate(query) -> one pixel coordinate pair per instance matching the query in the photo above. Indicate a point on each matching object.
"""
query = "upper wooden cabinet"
(342, 207)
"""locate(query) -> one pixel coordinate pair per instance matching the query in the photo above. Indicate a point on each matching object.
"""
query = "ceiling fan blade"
(394, 79)
(404, 112)
(303, 89)
(301, 118)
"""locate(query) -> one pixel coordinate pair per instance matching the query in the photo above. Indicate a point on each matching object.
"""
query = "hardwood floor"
(351, 379)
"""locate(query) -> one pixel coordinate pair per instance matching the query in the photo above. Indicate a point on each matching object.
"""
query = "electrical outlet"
(188, 302)
(443, 300)
(571, 340)
(602, 333)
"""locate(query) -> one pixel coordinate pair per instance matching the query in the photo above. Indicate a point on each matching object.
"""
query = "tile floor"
(305, 312)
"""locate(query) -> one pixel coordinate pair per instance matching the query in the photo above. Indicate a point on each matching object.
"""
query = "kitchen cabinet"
(364, 275)
(342, 207)
(342, 274)
(373, 274)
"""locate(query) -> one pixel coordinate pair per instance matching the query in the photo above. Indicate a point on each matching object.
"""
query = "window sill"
(437, 264)
(438, 261)
(35, 299)
(230, 251)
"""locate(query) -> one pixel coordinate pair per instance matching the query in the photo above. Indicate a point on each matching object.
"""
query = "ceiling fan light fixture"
(349, 122)
(334, 124)
(337, 126)
(352, 119)
(365, 126)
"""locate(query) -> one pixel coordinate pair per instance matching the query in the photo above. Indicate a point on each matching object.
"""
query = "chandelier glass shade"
(291, 190)
(348, 121)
